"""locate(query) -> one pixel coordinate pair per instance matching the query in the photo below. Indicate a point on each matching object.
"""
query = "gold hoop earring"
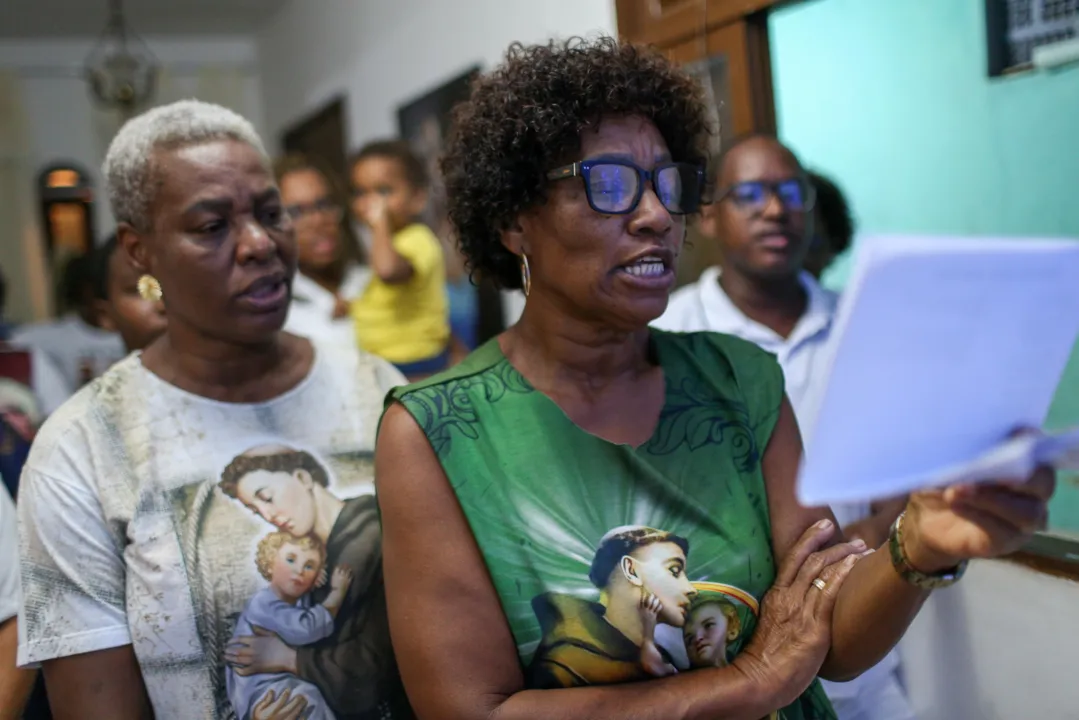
(150, 288)
(526, 275)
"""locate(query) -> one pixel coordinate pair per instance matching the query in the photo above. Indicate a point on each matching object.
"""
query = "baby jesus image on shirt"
(293, 566)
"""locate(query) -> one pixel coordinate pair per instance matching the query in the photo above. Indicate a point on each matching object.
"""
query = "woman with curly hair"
(570, 175)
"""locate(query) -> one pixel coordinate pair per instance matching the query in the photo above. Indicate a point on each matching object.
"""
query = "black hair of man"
(76, 283)
(102, 257)
(834, 212)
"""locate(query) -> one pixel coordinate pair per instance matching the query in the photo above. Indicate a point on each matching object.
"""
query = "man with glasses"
(761, 215)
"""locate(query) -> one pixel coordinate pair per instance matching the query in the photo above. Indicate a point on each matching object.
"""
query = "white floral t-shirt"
(153, 517)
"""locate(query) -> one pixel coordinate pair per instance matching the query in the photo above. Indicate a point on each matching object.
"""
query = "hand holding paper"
(943, 347)
(975, 521)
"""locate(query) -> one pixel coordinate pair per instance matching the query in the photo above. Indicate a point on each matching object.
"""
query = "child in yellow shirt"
(402, 316)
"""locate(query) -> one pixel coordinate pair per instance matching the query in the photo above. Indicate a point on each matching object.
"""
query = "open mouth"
(266, 293)
(648, 267)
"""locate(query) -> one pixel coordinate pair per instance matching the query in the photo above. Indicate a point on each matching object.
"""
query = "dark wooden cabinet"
(691, 31)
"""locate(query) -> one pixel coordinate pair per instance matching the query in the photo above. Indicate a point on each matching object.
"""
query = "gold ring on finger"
(819, 584)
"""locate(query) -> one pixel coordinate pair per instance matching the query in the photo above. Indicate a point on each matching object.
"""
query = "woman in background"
(120, 306)
(328, 278)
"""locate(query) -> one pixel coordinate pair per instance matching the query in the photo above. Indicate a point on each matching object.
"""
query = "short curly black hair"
(400, 152)
(834, 211)
(526, 117)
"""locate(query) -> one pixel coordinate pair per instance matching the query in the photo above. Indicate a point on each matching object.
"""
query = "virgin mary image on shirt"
(317, 628)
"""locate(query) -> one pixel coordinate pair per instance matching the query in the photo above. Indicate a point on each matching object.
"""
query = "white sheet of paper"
(943, 347)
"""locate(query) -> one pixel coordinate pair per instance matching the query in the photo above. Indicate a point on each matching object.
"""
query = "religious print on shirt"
(642, 576)
(618, 564)
(236, 547)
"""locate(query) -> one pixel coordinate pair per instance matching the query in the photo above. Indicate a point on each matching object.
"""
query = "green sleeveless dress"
(591, 545)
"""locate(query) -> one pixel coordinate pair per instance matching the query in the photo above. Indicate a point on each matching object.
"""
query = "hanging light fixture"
(120, 70)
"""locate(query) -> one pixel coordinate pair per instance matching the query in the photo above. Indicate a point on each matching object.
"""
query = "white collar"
(723, 316)
(353, 281)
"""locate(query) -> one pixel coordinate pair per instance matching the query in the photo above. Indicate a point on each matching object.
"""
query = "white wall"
(380, 54)
(63, 124)
(1001, 644)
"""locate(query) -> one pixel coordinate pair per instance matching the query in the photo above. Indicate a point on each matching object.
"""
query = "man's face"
(661, 569)
(762, 219)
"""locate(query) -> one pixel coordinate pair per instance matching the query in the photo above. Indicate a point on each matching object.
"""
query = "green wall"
(892, 99)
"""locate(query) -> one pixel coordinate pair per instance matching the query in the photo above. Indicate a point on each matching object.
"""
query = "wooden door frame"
(747, 24)
(685, 21)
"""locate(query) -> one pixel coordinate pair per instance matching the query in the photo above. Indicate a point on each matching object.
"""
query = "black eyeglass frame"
(773, 190)
(583, 169)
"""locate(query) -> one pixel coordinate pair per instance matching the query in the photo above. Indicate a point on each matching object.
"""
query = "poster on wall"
(713, 74)
(424, 123)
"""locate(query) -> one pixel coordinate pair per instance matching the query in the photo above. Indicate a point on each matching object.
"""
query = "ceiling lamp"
(120, 70)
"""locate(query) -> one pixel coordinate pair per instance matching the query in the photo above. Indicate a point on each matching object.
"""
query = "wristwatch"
(915, 577)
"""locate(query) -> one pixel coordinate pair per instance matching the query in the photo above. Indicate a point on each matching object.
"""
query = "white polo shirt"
(704, 306)
(310, 314)
(804, 356)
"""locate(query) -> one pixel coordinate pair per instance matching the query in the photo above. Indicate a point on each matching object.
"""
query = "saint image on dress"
(640, 573)
(643, 581)
(318, 629)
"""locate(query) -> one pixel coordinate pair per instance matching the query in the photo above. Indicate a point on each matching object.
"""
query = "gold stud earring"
(526, 275)
(149, 288)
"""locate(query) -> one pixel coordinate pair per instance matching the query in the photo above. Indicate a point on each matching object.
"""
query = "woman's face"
(138, 320)
(661, 569)
(705, 636)
(316, 217)
(220, 243)
(285, 500)
(295, 570)
(579, 257)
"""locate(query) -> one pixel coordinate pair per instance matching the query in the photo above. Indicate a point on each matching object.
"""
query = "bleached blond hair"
(129, 164)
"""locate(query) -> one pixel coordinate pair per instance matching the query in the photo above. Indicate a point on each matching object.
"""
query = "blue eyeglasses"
(615, 187)
(795, 194)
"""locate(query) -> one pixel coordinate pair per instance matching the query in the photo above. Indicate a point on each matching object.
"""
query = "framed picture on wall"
(1015, 27)
(424, 123)
(321, 135)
